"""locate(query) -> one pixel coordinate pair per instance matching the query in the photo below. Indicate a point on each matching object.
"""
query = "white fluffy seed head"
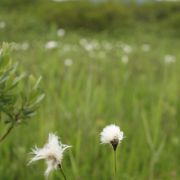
(111, 134)
(169, 59)
(61, 32)
(68, 62)
(51, 45)
(52, 153)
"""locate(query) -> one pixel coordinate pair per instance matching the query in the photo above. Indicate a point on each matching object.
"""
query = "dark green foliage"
(110, 16)
(9, 4)
(85, 15)
(105, 16)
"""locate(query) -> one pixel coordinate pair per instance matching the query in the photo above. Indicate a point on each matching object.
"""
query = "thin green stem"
(115, 168)
(64, 176)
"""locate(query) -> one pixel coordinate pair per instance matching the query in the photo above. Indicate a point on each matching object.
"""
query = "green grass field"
(90, 81)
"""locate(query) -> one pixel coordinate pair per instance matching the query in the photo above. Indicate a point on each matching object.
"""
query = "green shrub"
(19, 100)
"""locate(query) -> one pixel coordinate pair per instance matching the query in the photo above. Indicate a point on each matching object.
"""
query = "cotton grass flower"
(125, 59)
(168, 59)
(25, 46)
(52, 153)
(83, 41)
(68, 62)
(51, 45)
(2, 24)
(1, 51)
(20, 46)
(112, 134)
(127, 48)
(89, 47)
(146, 47)
(61, 32)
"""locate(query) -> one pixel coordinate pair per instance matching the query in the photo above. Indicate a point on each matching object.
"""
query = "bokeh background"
(102, 62)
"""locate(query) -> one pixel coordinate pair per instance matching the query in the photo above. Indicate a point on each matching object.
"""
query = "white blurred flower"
(96, 44)
(83, 41)
(20, 46)
(51, 45)
(25, 46)
(146, 47)
(16, 46)
(127, 48)
(168, 59)
(52, 153)
(125, 59)
(68, 62)
(88, 47)
(111, 134)
(2, 24)
(61, 32)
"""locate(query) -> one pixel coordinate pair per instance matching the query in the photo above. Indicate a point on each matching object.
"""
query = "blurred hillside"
(162, 17)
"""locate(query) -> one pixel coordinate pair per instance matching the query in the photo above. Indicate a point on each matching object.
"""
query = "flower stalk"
(115, 165)
(112, 135)
(61, 169)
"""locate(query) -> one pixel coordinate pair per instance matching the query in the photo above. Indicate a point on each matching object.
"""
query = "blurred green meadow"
(92, 77)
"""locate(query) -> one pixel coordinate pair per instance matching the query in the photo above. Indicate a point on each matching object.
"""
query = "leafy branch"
(20, 94)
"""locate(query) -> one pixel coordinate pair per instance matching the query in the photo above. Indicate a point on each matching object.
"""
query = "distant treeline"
(101, 16)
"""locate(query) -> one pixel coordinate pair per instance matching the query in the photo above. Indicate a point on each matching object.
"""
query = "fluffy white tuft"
(111, 133)
(52, 153)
